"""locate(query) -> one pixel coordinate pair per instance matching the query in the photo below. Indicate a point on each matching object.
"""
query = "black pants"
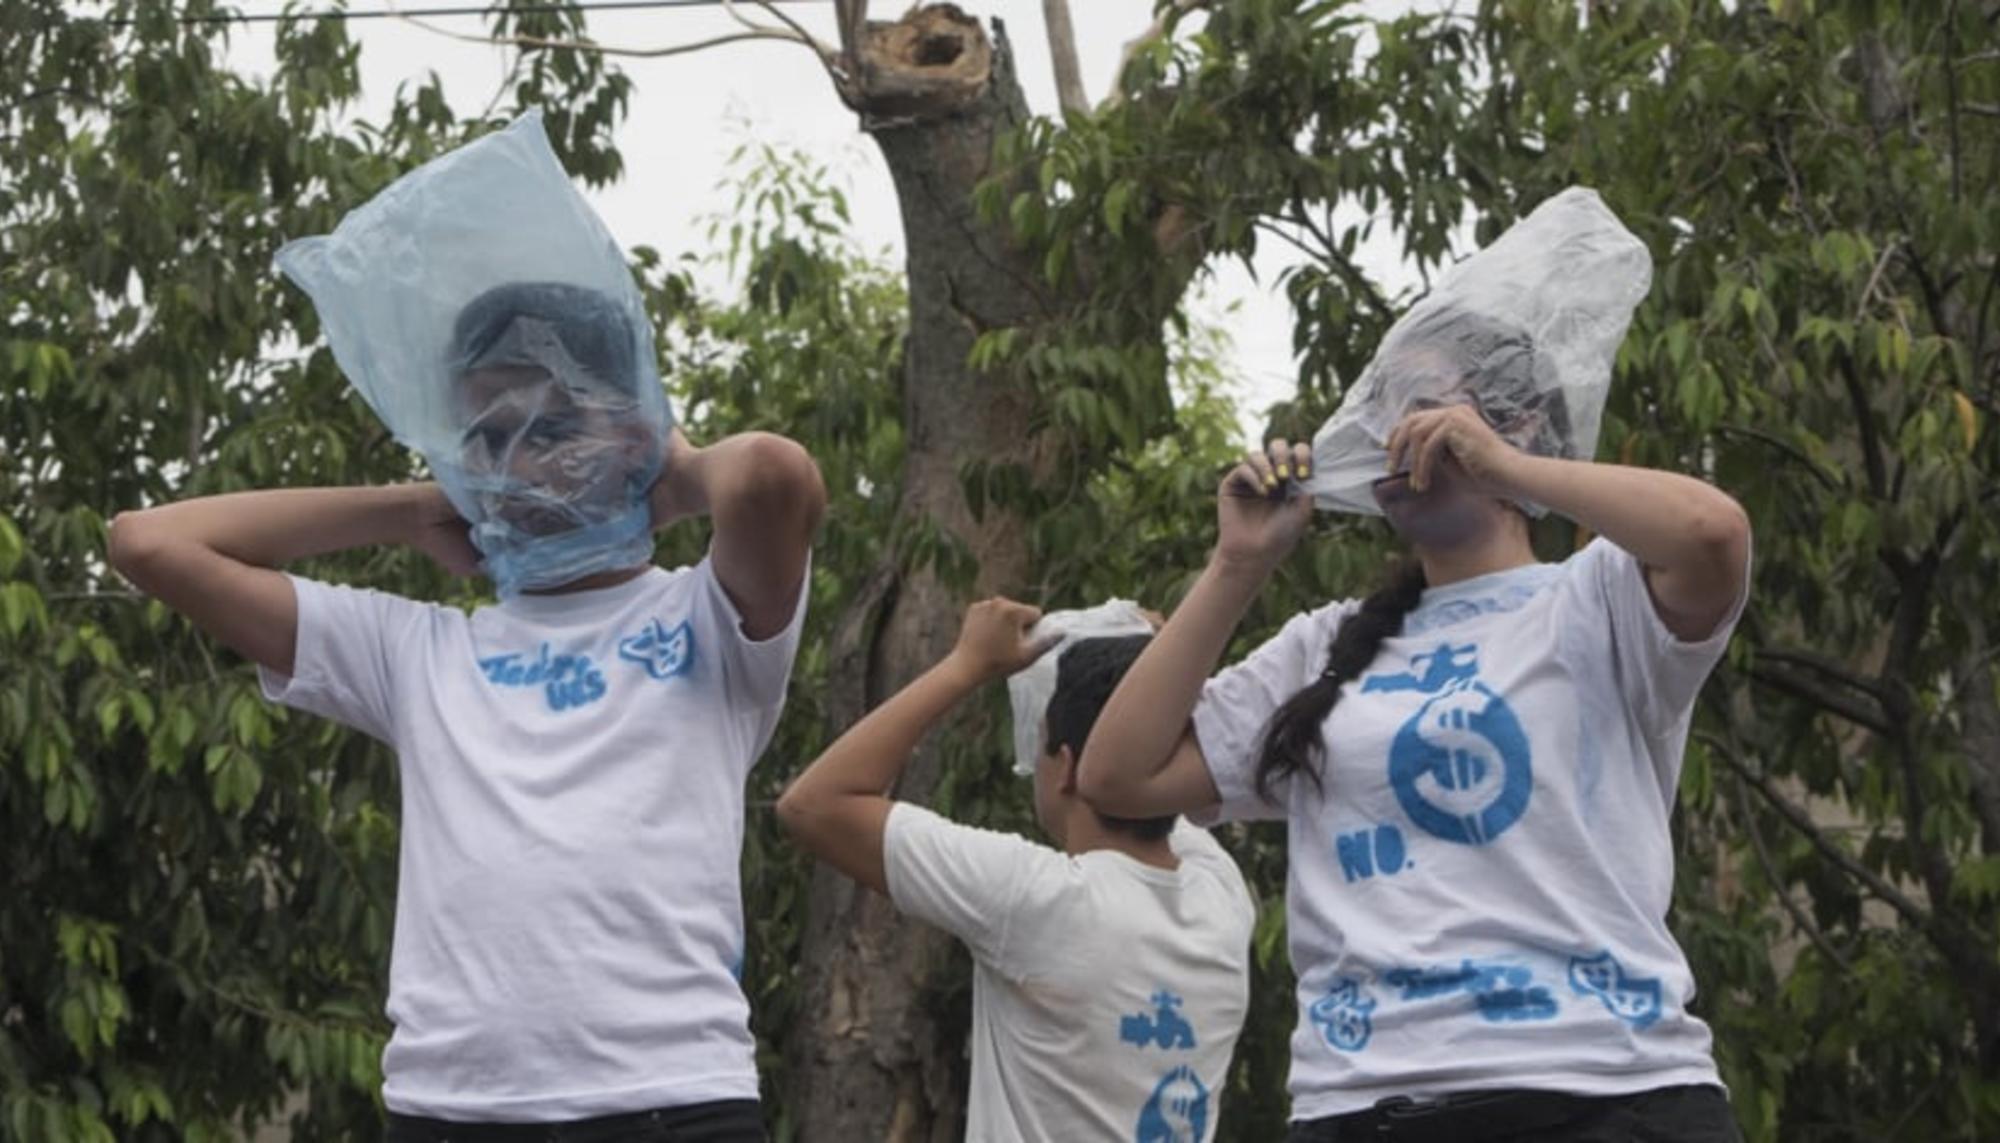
(725, 1121)
(1689, 1114)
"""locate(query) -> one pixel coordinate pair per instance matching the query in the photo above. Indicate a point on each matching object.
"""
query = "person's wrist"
(1515, 474)
(965, 671)
(413, 508)
(1247, 567)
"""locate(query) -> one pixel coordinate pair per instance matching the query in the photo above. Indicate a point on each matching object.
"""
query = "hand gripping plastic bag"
(487, 316)
(1029, 690)
(1525, 330)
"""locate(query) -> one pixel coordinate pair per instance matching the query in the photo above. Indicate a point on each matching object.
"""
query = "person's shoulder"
(352, 598)
(1204, 857)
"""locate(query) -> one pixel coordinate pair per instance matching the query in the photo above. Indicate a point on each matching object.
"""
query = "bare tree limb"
(1778, 885)
(1828, 701)
(1062, 53)
(792, 33)
(1864, 417)
(1802, 821)
(1825, 478)
(1139, 43)
(1826, 668)
(1875, 278)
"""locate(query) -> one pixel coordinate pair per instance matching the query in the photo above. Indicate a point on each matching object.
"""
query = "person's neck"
(590, 582)
(1500, 550)
(1087, 832)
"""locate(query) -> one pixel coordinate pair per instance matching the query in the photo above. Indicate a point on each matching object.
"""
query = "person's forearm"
(1665, 519)
(872, 754)
(1136, 733)
(271, 528)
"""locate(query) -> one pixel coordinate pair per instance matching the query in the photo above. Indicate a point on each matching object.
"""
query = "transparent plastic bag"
(1029, 691)
(485, 313)
(1526, 330)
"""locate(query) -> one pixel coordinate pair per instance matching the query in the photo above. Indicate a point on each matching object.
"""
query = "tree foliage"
(193, 936)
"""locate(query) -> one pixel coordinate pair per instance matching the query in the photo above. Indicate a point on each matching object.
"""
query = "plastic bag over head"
(485, 313)
(1029, 690)
(1525, 330)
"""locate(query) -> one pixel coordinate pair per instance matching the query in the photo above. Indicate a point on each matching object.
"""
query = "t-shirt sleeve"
(1198, 849)
(1237, 704)
(347, 660)
(1659, 674)
(756, 672)
(970, 882)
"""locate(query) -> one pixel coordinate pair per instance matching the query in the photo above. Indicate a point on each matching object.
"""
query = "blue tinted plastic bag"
(488, 318)
(1525, 330)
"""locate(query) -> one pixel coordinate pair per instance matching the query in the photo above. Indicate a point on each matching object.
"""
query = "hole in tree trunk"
(938, 51)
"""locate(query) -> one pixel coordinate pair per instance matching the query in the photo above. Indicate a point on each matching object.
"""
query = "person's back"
(1111, 976)
(1107, 993)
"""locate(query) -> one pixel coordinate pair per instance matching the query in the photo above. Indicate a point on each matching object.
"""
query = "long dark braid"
(1293, 744)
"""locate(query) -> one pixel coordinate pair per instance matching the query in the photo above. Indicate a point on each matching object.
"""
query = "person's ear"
(1066, 777)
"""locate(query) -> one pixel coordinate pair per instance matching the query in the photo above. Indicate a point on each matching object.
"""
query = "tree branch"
(1825, 478)
(1874, 720)
(1802, 821)
(1819, 664)
(1778, 885)
(1062, 54)
(1139, 43)
(792, 33)
(1871, 444)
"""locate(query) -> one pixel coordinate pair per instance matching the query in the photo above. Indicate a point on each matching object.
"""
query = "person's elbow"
(136, 544)
(1106, 788)
(1720, 532)
(781, 484)
(801, 814)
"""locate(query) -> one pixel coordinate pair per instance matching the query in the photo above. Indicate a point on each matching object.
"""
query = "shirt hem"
(571, 1105)
(1351, 1098)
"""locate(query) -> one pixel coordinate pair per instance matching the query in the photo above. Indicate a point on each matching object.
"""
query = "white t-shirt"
(1479, 900)
(569, 926)
(1107, 994)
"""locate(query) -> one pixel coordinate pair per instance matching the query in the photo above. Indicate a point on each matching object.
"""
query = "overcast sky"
(687, 113)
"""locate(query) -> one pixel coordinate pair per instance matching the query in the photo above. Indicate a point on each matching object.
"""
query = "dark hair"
(1086, 674)
(1293, 741)
(593, 329)
(1513, 387)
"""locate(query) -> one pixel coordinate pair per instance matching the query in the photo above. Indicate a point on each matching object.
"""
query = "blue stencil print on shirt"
(1342, 1015)
(1501, 993)
(1633, 999)
(1364, 853)
(1512, 597)
(664, 651)
(1460, 766)
(1164, 1027)
(567, 681)
(1177, 1111)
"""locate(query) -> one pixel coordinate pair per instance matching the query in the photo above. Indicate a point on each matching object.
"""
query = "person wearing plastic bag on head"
(1478, 761)
(569, 928)
(1111, 974)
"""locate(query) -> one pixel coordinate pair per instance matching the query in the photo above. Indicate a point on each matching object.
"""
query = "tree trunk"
(875, 1053)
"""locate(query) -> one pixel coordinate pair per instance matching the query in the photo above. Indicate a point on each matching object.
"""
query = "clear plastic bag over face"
(487, 316)
(1029, 691)
(1526, 331)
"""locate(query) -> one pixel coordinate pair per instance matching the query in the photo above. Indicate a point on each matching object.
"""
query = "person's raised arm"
(1142, 759)
(1692, 538)
(214, 558)
(839, 806)
(765, 497)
